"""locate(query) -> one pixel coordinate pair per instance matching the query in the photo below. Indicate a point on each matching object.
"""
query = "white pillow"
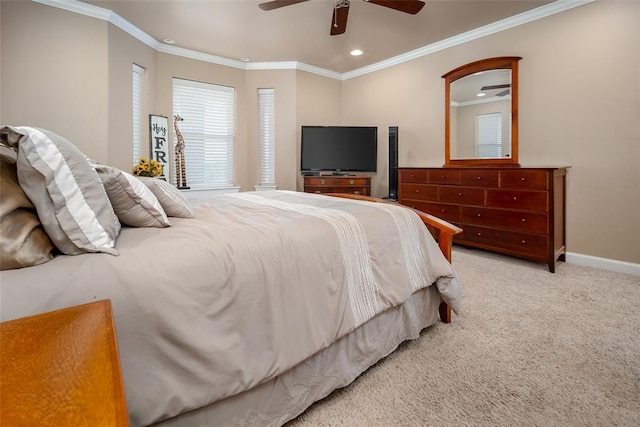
(172, 200)
(132, 201)
(65, 189)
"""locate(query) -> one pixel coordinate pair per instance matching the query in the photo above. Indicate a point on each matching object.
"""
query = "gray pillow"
(132, 201)
(172, 200)
(65, 189)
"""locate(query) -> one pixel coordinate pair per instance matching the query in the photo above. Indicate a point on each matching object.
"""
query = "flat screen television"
(339, 149)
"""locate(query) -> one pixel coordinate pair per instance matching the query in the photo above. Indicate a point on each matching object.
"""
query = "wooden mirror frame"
(502, 62)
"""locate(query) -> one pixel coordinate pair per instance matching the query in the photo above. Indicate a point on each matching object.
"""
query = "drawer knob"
(443, 210)
(442, 176)
(317, 191)
(524, 241)
(479, 178)
(522, 179)
(479, 214)
(322, 181)
(479, 234)
(356, 192)
(417, 191)
(350, 181)
(524, 220)
(413, 176)
(459, 194)
(515, 198)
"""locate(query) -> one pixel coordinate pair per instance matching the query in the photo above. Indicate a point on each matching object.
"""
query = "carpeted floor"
(530, 348)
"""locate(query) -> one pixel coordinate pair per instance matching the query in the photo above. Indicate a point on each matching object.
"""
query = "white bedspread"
(253, 285)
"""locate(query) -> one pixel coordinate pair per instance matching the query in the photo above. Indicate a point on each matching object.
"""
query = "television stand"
(338, 184)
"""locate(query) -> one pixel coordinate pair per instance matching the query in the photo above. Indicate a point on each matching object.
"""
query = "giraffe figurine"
(181, 167)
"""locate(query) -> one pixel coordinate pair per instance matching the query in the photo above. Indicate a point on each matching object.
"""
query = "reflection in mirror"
(481, 113)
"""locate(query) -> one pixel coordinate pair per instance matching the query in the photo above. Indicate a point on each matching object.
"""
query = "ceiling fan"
(341, 9)
(503, 86)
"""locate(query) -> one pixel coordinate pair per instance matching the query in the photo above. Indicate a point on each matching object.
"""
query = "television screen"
(339, 148)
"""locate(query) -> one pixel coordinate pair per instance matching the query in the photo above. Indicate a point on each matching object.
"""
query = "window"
(209, 129)
(266, 141)
(489, 135)
(138, 74)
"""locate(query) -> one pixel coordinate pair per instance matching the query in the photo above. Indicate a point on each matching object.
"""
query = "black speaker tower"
(393, 163)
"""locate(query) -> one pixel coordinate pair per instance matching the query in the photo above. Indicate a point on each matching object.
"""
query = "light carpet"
(530, 348)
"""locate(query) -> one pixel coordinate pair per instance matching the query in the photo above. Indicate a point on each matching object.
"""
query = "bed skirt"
(283, 398)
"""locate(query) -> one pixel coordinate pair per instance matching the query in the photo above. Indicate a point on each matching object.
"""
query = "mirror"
(481, 113)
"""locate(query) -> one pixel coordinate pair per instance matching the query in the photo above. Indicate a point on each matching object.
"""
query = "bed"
(256, 305)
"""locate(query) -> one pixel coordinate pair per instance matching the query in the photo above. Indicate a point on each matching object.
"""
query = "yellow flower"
(147, 167)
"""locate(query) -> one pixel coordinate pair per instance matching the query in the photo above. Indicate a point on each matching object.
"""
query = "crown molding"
(104, 14)
(192, 54)
(505, 24)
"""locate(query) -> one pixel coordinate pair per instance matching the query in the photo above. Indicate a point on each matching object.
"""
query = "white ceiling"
(236, 29)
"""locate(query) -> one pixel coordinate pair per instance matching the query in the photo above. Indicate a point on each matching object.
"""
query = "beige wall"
(55, 74)
(410, 96)
(317, 103)
(124, 51)
(579, 103)
(579, 106)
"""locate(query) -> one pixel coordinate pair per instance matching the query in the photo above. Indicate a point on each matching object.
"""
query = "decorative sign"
(159, 142)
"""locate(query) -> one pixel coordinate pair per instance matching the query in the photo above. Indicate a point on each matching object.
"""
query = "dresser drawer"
(413, 175)
(444, 211)
(444, 176)
(364, 191)
(532, 179)
(336, 181)
(479, 178)
(524, 200)
(461, 195)
(521, 243)
(418, 192)
(512, 220)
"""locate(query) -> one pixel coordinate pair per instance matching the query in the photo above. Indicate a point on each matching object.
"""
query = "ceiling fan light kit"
(341, 9)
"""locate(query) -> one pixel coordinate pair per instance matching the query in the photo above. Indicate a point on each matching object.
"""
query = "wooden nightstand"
(61, 368)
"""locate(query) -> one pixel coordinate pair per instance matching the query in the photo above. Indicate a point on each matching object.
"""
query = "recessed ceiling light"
(245, 59)
(481, 94)
(356, 52)
(169, 41)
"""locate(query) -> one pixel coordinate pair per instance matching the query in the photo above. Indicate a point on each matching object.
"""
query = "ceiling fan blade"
(503, 93)
(339, 18)
(406, 6)
(504, 86)
(276, 4)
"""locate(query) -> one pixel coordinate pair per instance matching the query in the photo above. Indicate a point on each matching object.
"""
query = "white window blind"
(138, 73)
(208, 129)
(266, 140)
(489, 135)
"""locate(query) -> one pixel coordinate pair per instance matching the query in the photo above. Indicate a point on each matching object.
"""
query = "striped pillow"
(132, 201)
(65, 189)
(171, 199)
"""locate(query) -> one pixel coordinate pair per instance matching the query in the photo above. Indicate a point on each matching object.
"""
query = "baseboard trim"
(603, 263)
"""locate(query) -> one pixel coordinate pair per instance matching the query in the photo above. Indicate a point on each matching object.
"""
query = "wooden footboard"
(442, 231)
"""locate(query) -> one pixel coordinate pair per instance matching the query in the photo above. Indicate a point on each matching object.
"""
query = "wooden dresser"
(514, 211)
(338, 184)
(62, 369)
